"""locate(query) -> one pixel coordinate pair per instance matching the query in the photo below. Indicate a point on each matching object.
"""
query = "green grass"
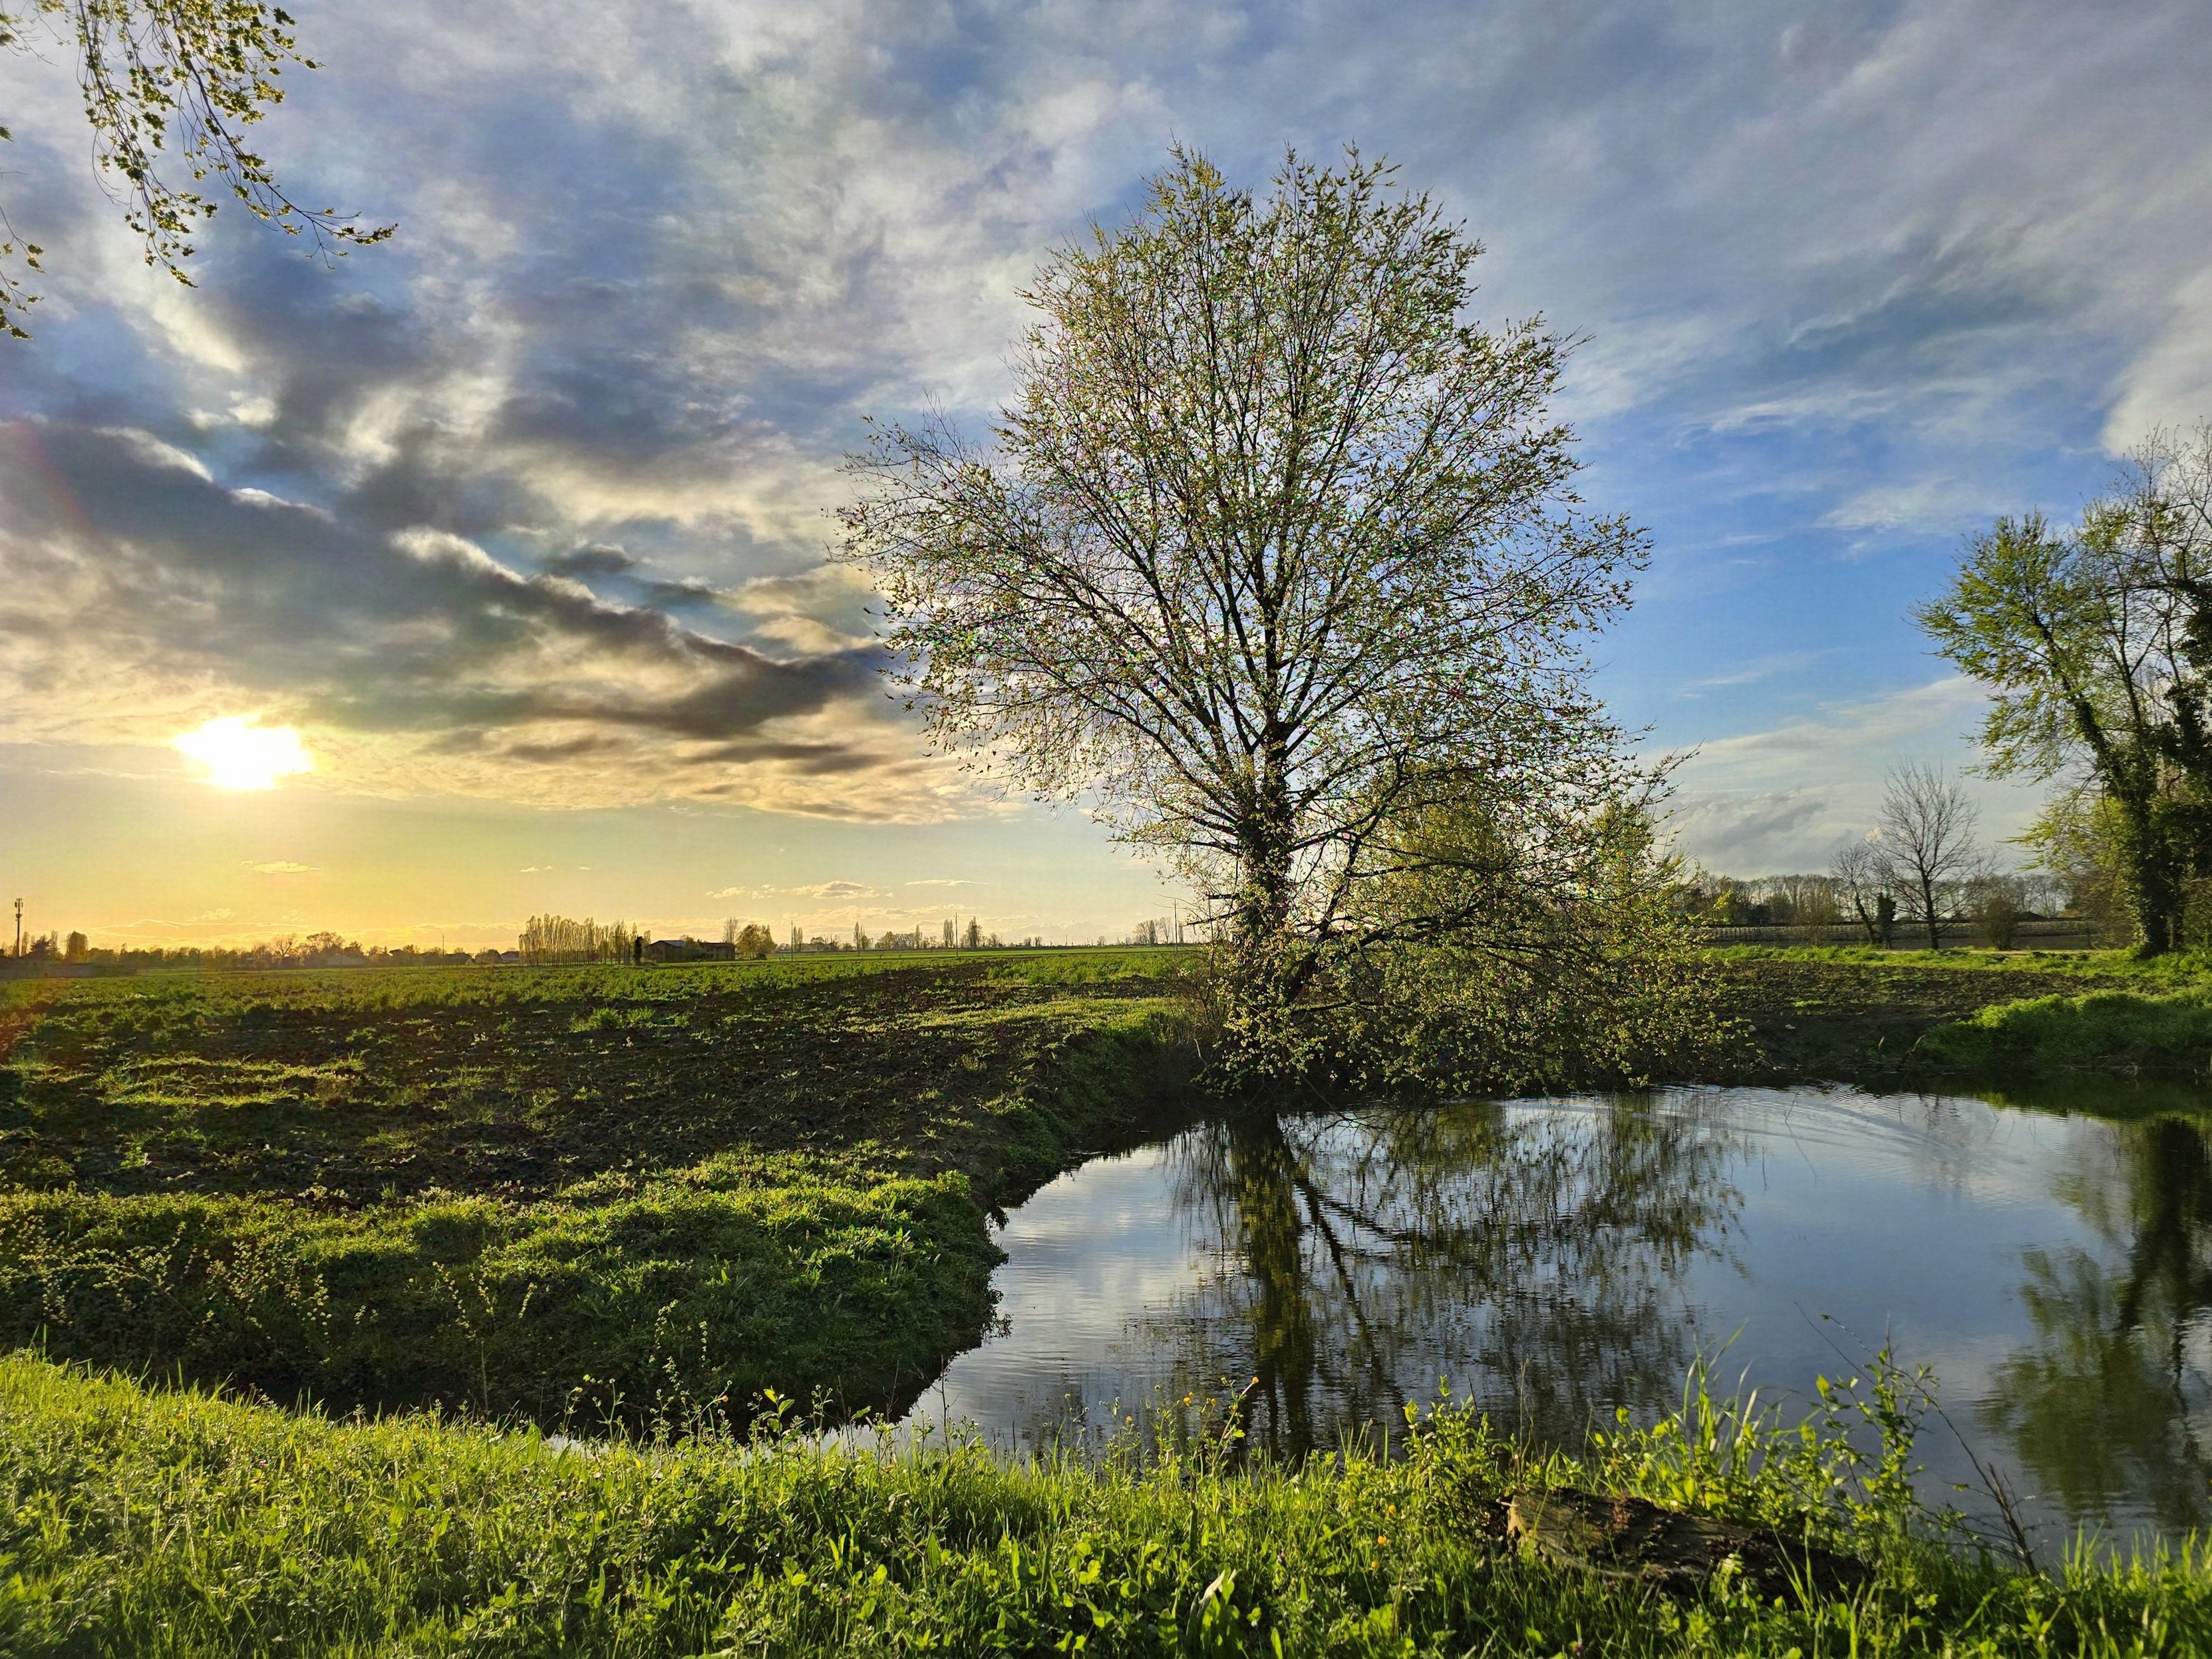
(169, 1523)
(2149, 1020)
(553, 1191)
(636, 1298)
(596, 1198)
(2103, 1034)
(2179, 967)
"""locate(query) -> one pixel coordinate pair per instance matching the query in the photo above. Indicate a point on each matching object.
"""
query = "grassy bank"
(173, 1524)
(2105, 1034)
(556, 1191)
(1972, 1018)
(1842, 1014)
(625, 1297)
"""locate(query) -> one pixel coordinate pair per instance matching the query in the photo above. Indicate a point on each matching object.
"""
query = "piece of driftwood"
(1628, 1538)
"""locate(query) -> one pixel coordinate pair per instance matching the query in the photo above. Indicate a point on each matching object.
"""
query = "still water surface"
(1557, 1259)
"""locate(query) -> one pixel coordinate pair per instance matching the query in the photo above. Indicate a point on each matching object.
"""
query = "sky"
(519, 520)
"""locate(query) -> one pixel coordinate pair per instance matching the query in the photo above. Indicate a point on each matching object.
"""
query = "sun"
(239, 755)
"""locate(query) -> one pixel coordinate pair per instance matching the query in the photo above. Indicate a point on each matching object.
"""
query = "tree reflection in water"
(1531, 1254)
(2113, 1400)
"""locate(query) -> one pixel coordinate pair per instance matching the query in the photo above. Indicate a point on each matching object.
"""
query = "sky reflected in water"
(1558, 1259)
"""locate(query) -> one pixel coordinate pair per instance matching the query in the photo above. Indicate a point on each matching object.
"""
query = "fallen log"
(1633, 1540)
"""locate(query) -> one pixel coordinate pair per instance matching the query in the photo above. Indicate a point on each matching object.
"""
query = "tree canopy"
(172, 84)
(2095, 645)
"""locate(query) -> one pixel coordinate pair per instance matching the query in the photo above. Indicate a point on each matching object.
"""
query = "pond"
(1557, 1259)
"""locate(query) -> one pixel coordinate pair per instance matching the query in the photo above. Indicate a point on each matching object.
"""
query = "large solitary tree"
(170, 88)
(2095, 645)
(1273, 560)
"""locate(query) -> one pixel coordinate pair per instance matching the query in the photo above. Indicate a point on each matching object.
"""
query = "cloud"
(1944, 504)
(1764, 833)
(2170, 383)
(416, 658)
(1758, 669)
(835, 890)
(1782, 799)
(839, 891)
(594, 560)
(684, 591)
(280, 868)
(940, 881)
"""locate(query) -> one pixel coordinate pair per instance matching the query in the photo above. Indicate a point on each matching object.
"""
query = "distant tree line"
(948, 935)
(48, 947)
(545, 940)
(1919, 871)
(319, 949)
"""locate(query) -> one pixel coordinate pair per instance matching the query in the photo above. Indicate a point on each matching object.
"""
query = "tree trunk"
(2154, 878)
(1632, 1542)
(1264, 852)
(1270, 966)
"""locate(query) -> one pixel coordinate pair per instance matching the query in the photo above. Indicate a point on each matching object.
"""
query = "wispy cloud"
(835, 890)
(839, 891)
(1758, 669)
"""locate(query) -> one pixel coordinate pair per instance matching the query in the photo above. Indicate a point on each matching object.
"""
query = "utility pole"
(19, 928)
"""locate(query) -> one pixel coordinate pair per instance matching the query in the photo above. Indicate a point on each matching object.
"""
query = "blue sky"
(519, 519)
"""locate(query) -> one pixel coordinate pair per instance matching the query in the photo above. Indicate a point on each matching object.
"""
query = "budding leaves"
(174, 80)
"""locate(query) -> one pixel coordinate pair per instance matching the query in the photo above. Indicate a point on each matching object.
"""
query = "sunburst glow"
(239, 754)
